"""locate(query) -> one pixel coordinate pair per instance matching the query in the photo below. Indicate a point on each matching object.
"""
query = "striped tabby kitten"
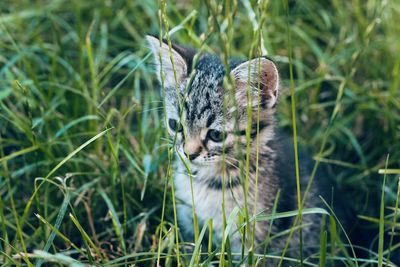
(208, 128)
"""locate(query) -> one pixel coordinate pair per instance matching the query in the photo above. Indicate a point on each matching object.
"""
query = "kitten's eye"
(173, 124)
(216, 135)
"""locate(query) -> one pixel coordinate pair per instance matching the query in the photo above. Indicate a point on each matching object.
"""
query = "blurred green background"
(74, 70)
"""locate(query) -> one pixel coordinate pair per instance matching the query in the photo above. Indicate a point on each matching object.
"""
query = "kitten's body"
(275, 172)
(209, 111)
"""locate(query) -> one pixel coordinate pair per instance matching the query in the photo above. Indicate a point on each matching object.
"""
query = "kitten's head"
(205, 126)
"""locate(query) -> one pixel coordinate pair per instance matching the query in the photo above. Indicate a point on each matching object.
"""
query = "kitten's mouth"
(199, 161)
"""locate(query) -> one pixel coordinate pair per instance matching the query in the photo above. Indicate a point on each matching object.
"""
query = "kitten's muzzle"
(192, 149)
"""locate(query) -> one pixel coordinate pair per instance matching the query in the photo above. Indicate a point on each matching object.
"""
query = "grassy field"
(83, 156)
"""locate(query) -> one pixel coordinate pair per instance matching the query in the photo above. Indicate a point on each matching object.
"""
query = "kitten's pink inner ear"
(263, 73)
(270, 79)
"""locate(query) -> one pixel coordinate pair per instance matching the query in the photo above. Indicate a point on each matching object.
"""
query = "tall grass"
(85, 167)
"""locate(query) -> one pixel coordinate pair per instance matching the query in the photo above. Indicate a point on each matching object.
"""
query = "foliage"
(83, 159)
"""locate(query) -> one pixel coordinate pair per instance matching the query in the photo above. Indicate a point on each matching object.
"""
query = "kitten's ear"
(181, 61)
(262, 71)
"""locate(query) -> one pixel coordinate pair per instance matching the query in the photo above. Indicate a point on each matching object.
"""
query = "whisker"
(231, 164)
(231, 158)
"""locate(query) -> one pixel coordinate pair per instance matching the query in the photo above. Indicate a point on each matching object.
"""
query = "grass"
(85, 173)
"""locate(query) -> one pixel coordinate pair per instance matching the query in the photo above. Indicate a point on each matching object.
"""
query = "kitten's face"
(203, 129)
(209, 131)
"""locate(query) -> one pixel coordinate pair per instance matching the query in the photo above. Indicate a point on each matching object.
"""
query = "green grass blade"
(61, 163)
(119, 231)
(62, 236)
(57, 225)
(58, 258)
(382, 219)
(73, 123)
(86, 239)
(196, 251)
(322, 249)
(19, 153)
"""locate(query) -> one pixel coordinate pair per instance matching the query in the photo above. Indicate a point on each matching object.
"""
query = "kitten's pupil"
(173, 124)
(216, 136)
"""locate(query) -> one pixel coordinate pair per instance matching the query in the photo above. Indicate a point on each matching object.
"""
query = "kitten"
(214, 138)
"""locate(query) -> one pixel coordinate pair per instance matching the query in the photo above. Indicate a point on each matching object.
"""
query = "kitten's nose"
(192, 149)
